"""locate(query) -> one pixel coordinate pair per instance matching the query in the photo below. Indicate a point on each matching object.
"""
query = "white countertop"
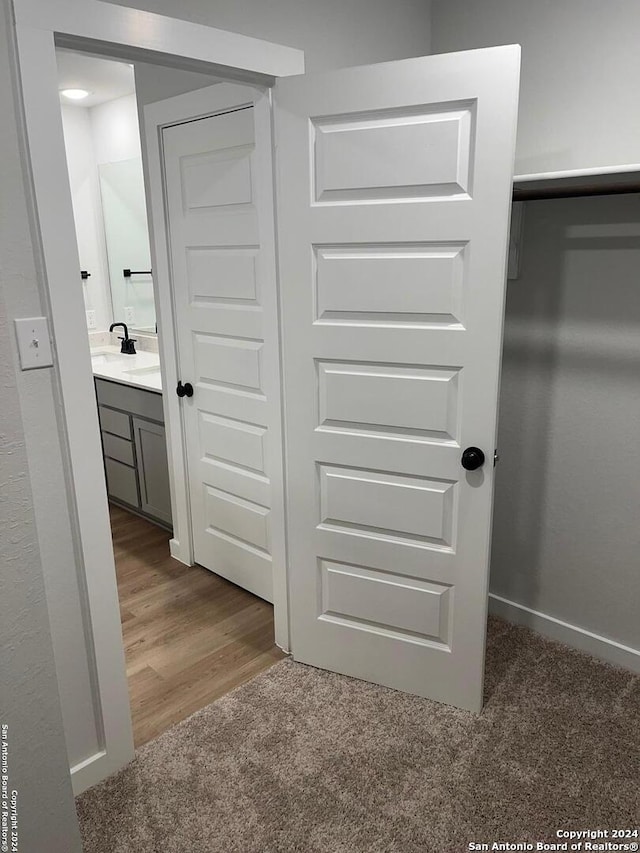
(141, 370)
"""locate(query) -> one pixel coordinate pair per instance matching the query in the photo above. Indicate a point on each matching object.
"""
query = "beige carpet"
(303, 760)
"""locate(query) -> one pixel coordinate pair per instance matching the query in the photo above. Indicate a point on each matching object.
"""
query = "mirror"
(127, 242)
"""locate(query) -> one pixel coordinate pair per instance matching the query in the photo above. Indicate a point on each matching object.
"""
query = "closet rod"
(521, 194)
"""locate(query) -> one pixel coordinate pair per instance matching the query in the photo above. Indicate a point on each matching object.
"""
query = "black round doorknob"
(472, 458)
(185, 390)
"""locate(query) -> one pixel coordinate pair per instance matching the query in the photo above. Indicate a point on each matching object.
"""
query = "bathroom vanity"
(129, 394)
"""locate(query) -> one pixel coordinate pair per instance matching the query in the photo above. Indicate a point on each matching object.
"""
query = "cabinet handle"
(127, 273)
(185, 390)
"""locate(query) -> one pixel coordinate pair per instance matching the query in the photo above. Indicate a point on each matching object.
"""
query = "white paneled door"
(394, 191)
(226, 322)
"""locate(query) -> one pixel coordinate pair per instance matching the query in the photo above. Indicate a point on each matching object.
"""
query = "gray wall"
(332, 33)
(30, 704)
(566, 532)
(580, 74)
(154, 83)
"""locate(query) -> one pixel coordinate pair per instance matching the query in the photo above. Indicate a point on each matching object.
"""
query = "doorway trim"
(111, 30)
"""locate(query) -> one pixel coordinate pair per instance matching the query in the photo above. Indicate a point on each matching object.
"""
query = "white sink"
(108, 358)
(143, 371)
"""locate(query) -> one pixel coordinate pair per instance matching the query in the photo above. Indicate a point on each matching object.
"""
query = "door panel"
(356, 158)
(370, 283)
(228, 346)
(394, 189)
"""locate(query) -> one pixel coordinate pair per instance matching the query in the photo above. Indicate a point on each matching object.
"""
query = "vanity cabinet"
(134, 449)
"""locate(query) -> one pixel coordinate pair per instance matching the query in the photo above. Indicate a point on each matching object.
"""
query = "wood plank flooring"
(189, 636)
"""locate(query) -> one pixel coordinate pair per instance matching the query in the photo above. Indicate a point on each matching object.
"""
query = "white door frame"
(139, 36)
(199, 104)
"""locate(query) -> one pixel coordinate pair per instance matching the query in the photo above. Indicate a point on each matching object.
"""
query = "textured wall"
(580, 74)
(332, 33)
(566, 533)
(29, 701)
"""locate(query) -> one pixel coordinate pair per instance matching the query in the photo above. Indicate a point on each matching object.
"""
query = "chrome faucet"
(127, 346)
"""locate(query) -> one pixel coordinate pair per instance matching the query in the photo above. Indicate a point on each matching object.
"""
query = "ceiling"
(105, 79)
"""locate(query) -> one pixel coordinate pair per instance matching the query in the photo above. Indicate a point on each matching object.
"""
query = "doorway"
(188, 634)
(38, 27)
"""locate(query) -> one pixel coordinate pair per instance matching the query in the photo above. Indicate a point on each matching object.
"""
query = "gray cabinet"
(153, 469)
(134, 449)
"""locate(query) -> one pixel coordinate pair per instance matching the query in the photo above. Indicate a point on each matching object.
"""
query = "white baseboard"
(98, 767)
(89, 772)
(176, 552)
(570, 635)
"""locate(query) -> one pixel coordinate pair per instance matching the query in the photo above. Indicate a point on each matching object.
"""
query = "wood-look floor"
(189, 636)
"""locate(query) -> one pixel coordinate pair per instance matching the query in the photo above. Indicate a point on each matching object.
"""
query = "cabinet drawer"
(118, 448)
(147, 404)
(122, 482)
(114, 422)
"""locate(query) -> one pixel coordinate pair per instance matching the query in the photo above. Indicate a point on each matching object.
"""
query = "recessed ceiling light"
(75, 94)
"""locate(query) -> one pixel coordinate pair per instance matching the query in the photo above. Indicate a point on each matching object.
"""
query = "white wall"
(87, 210)
(332, 33)
(580, 74)
(34, 530)
(566, 533)
(116, 140)
(107, 133)
(114, 126)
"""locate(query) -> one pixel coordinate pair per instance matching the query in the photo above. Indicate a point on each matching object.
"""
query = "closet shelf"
(600, 181)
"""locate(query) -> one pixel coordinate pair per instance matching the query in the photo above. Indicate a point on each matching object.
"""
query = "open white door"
(394, 191)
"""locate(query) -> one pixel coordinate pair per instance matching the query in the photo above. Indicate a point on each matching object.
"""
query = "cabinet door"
(153, 470)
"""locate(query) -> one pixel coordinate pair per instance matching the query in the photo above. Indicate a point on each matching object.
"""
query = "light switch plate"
(34, 344)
